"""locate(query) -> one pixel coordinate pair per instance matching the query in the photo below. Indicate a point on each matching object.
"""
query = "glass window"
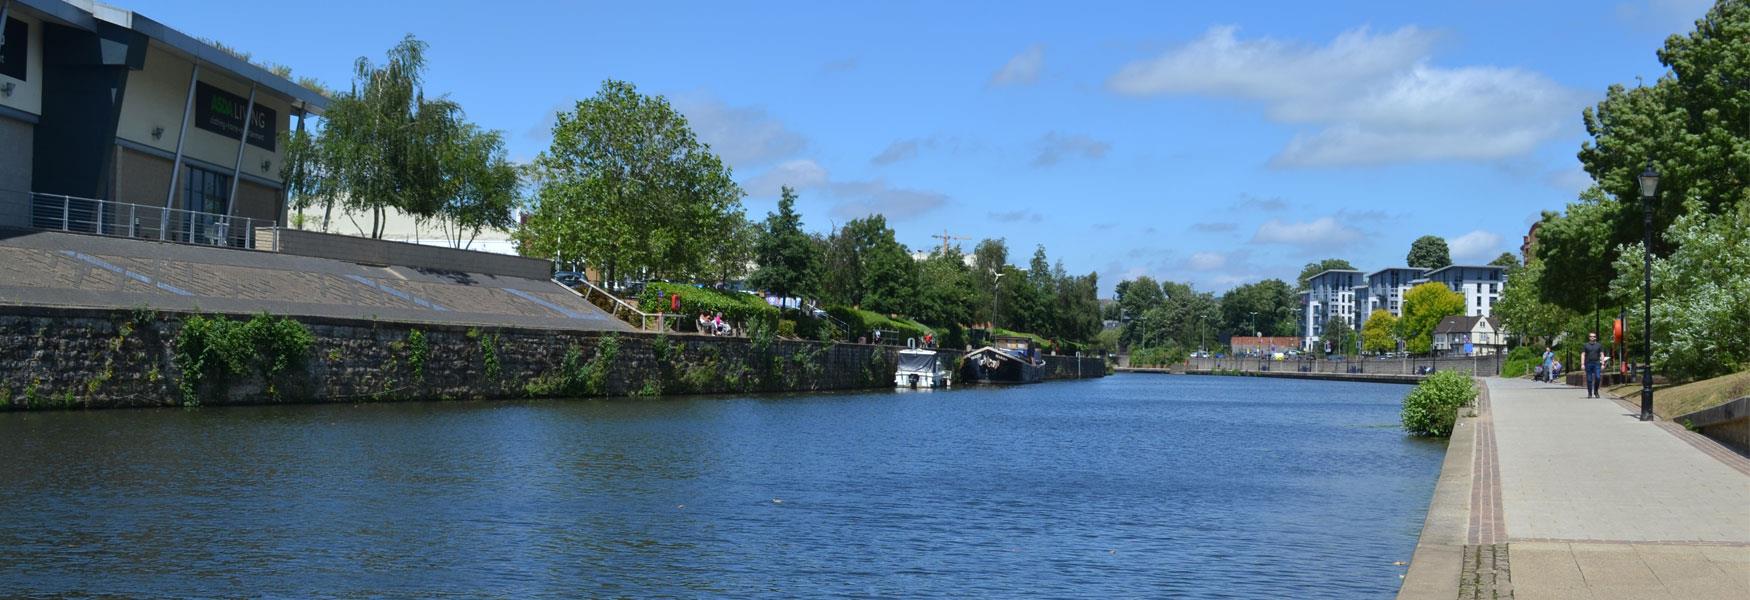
(205, 197)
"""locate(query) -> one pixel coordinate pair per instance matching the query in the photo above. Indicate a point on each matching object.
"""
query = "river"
(1128, 486)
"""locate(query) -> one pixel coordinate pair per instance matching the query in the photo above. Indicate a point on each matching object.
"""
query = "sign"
(221, 112)
(16, 53)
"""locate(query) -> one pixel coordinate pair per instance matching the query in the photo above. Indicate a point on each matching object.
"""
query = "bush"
(1157, 357)
(212, 350)
(1519, 362)
(1432, 407)
(737, 307)
(862, 322)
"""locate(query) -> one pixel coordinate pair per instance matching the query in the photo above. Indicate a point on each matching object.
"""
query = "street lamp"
(995, 298)
(1649, 186)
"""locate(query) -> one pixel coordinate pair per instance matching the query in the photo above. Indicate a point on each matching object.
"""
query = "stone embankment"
(102, 358)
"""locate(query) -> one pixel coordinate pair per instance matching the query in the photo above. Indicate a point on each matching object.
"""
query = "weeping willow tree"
(384, 145)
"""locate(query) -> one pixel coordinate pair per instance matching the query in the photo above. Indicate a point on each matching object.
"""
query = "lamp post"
(1649, 180)
(996, 293)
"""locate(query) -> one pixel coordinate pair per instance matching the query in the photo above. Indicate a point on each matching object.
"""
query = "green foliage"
(1522, 308)
(1429, 252)
(946, 295)
(1274, 302)
(789, 264)
(1378, 334)
(386, 144)
(1158, 357)
(1506, 259)
(866, 266)
(1424, 307)
(1519, 362)
(1701, 295)
(488, 352)
(417, 352)
(786, 328)
(576, 378)
(1341, 336)
(864, 323)
(1431, 408)
(1329, 264)
(736, 307)
(627, 187)
(209, 351)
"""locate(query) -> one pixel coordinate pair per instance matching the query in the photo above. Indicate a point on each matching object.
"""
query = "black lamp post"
(1649, 186)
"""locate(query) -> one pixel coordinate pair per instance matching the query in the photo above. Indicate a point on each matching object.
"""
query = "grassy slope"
(1675, 401)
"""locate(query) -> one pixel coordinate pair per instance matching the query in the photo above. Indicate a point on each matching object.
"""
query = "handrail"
(643, 317)
(60, 212)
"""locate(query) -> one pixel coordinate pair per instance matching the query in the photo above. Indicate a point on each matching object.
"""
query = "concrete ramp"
(64, 269)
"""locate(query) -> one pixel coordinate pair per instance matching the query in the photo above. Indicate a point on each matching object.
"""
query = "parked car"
(569, 278)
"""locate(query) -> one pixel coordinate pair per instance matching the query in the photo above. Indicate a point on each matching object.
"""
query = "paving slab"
(1599, 505)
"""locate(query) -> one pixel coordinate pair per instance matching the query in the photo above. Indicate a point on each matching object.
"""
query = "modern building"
(1386, 288)
(1481, 285)
(108, 118)
(1469, 336)
(1329, 295)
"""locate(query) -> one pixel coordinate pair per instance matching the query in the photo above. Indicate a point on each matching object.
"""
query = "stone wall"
(73, 358)
(383, 252)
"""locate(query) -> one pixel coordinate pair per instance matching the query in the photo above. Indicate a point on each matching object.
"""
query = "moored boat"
(921, 369)
(1006, 360)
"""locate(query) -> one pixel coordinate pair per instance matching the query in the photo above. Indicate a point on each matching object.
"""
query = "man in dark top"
(1593, 353)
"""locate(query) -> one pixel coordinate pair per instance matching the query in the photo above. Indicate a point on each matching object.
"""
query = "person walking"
(1549, 362)
(1593, 355)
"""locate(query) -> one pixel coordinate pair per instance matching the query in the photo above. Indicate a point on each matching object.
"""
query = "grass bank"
(1674, 401)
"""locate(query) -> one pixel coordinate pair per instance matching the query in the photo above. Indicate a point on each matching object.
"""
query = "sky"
(1217, 143)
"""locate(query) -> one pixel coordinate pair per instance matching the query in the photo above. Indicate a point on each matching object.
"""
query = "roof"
(1281, 340)
(1416, 269)
(1464, 324)
(1430, 274)
(85, 15)
(1322, 273)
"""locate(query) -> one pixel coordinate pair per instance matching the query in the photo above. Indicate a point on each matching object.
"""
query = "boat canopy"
(917, 361)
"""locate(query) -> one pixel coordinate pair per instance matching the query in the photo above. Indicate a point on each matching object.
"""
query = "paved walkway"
(72, 270)
(1596, 504)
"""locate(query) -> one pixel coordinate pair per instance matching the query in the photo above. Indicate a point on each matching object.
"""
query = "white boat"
(921, 369)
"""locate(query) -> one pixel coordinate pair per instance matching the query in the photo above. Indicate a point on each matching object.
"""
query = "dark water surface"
(1131, 486)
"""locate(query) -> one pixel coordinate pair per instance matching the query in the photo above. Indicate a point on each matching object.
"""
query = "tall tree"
(629, 188)
(1379, 333)
(1506, 259)
(483, 186)
(1424, 307)
(989, 259)
(1329, 264)
(890, 276)
(1429, 252)
(786, 255)
(730, 259)
(1267, 306)
(1340, 336)
(946, 297)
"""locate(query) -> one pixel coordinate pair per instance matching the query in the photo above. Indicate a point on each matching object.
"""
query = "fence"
(118, 219)
(1408, 365)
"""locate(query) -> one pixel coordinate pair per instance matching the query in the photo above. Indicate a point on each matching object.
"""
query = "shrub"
(1157, 357)
(737, 307)
(1432, 406)
(862, 322)
(211, 350)
(1519, 362)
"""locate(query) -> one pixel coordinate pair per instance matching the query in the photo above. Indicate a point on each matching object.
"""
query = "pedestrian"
(1549, 363)
(1593, 356)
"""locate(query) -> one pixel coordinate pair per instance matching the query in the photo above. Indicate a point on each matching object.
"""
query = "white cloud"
(1016, 216)
(897, 151)
(1206, 261)
(1023, 69)
(801, 173)
(1477, 247)
(1322, 232)
(744, 136)
(1054, 147)
(1370, 98)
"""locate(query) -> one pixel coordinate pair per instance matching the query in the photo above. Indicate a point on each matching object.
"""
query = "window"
(204, 195)
(16, 54)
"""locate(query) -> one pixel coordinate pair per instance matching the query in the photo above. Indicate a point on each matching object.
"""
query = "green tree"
(1522, 309)
(788, 265)
(1424, 307)
(989, 259)
(890, 276)
(730, 259)
(1506, 259)
(1137, 296)
(1701, 294)
(628, 187)
(1341, 336)
(946, 297)
(1429, 252)
(1273, 301)
(1329, 264)
(1378, 334)
(384, 145)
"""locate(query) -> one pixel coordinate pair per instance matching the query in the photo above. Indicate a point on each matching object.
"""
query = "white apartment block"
(1386, 288)
(1481, 285)
(1329, 294)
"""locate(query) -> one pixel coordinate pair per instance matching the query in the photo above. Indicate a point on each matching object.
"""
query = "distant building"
(1530, 244)
(1469, 336)
(1385, 290)
(1329, 295)
(1246, 345)
(1481, 285)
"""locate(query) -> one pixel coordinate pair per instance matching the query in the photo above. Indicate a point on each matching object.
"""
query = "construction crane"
(945, 237)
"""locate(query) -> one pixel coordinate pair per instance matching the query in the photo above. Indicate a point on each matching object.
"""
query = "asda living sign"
(221, 112)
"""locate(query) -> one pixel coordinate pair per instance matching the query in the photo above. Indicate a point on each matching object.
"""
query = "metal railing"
(619, 308)
(118, 219)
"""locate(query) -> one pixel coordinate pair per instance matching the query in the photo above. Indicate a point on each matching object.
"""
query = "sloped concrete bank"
(102, 358)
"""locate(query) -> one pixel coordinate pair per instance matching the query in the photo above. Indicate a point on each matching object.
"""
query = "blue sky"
(1211, 142)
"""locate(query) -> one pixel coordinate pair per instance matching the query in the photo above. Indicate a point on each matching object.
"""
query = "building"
(401, 227)
(1249, 345)
(1386, 288)
(1529, 244)
(1329, 295)
(1469, 336)
(1481, 285)
(98, 103)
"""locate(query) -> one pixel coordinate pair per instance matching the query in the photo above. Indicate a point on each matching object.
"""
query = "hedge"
(862, 322)
(737, 307)
(1432, 407)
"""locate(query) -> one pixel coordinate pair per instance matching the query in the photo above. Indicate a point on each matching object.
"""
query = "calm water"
(1135, 485)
